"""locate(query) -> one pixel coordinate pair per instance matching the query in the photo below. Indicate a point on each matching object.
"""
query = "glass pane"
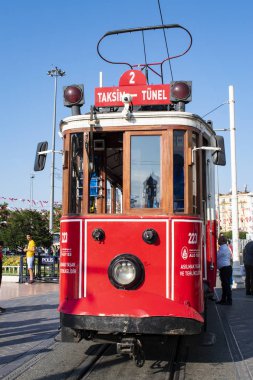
(145, 171)
(178, 170)
(114, 199)
(194, 176)
(76, 187)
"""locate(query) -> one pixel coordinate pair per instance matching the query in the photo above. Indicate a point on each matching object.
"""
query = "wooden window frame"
(166, 165)
(66, 175)
(164, 188)
(189, 173)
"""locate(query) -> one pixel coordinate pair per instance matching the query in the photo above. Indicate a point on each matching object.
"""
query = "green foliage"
(57, 217)
(242, 234)
(228, 234)
(23, 222)
(11, 260)
(4, 213)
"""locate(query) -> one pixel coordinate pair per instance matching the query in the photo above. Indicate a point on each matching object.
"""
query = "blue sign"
(47, 260)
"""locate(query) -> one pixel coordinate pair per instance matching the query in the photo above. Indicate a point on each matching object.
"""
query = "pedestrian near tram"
(248, 264)
(225, 269)
(2, 310)
(30, 252)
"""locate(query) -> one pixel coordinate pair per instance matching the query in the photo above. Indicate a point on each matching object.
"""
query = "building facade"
(245, 212)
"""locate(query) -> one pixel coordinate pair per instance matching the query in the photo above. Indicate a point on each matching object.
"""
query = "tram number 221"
(193, 238)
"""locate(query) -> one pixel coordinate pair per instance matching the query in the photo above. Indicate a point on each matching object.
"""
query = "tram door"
(106, 177)
(209, 230)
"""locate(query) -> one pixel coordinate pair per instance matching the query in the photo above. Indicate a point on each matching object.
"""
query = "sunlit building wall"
(245, 211)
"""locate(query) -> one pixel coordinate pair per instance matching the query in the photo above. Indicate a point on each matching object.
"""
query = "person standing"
(225, 268)
(248, 264)
(30, 252)
(2, 310)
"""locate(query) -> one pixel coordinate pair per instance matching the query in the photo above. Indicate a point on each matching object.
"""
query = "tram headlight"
(74, 98)
(126, 272)
(181, 91)
(73, 95)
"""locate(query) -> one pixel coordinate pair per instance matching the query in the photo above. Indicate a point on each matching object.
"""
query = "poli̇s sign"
(132, 82)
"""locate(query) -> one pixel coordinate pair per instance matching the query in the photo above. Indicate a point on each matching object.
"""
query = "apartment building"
(245, 211)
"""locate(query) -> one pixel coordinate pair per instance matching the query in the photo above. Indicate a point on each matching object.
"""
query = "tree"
(4, 212)
(242, 235)
(57, 217)
(23, 222)
(228, 234)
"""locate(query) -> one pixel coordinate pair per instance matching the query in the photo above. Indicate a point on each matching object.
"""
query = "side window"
(145, 171)
(195, 181)
(76, 173)
(178, 171)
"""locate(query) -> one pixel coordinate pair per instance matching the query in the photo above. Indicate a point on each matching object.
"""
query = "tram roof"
(139, 118)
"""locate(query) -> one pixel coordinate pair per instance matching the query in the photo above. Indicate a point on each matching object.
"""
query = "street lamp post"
(238, 283)
(56, 72)
(32, 176)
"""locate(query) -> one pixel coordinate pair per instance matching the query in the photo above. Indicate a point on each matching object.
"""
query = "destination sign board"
(141, 95)
(133, 83)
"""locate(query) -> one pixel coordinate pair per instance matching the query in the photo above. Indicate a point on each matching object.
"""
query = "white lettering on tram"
(116, 96)
(110, 96)
(150, 94)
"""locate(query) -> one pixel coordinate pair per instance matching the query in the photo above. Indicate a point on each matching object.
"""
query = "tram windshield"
(145, 171)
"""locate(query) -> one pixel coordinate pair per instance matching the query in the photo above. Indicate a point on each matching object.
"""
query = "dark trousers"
(225, 276)
(249, 279)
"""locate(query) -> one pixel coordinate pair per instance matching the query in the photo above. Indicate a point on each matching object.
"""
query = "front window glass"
(178, 171)
(145, 171)
(76, 180)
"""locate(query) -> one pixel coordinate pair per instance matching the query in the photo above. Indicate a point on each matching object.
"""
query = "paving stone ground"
(28, 326)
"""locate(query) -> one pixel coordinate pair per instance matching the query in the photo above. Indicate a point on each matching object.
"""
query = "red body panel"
(173, 283)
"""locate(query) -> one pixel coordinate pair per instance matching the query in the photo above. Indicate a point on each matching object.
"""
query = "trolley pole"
(56, 72)
(238, 283)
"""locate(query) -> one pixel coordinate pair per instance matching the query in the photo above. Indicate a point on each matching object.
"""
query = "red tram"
(138, 232)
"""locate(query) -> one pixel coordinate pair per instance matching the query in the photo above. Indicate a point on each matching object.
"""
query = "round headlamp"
(73, 94)
(126, 272)
(181, 91)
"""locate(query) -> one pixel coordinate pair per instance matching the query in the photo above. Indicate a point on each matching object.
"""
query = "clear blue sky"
(37, 35)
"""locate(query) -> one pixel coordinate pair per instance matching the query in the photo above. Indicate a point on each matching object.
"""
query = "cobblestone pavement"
(28, 326)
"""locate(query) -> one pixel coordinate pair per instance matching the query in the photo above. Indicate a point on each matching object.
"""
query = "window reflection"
(76, 187)
(145, 171)
(178, 170)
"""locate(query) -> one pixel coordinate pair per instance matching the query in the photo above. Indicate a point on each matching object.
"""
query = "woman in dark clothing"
(225, 268)
(248, 264)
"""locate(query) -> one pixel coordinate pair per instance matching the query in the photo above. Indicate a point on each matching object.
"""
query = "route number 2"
(193, 238)
(132, 77)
